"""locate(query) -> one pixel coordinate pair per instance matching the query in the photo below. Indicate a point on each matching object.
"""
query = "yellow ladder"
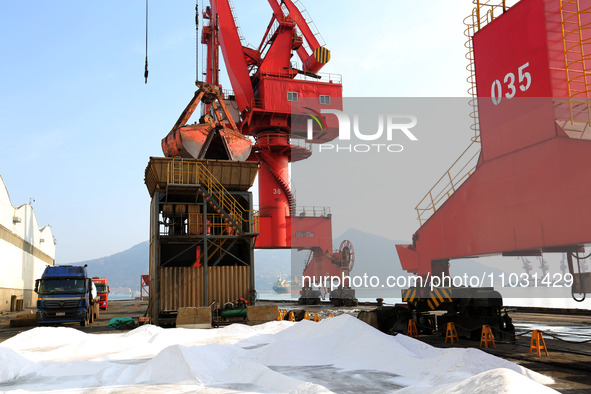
(483, 13)
(575, 35)
(175, 172)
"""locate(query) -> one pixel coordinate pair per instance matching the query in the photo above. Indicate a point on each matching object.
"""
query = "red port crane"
(274, 99)
(529, 192)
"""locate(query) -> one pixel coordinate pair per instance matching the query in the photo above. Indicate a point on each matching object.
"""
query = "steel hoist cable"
(146, 66)
(196, 41)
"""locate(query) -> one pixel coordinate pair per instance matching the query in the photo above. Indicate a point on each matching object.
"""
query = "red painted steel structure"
(144, 286)
(265, 86)
(530, 192)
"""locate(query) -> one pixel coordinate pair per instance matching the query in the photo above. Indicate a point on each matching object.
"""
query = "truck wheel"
(84, 323)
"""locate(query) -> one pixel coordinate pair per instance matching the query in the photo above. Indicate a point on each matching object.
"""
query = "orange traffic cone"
(291, 316)
(316, 318)
(537, 343)
(280, 316)
(451, 333)
(412, 329)
(487, 337)
(306, 316)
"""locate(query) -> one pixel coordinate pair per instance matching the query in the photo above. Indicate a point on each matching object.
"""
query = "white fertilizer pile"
(340, 354)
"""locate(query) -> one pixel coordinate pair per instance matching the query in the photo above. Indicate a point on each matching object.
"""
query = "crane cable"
(146, 67)
(196, 41)
(572, 290)
(581, 258)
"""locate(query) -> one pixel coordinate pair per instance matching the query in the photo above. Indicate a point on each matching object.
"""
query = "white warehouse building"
(25, 251)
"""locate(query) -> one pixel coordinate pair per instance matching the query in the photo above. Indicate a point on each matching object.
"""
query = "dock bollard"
(487, 337)
(451, 333)
(536, 337)
(411, 331)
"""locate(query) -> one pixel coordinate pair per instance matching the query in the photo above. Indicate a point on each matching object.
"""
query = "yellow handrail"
(184, 172)
(449, 182)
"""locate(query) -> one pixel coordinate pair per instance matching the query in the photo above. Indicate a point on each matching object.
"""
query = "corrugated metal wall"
(183, 286)
(228, 283)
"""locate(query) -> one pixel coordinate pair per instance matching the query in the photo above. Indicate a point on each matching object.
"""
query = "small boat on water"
(283, 286)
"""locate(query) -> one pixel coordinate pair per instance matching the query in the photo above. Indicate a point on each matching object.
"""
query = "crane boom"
(222, 29)
(312, 62)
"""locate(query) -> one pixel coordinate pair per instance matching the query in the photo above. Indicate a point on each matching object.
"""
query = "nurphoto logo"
(390, 125)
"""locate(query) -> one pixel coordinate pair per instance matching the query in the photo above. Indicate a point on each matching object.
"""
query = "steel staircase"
(216, 195)
(284, 186)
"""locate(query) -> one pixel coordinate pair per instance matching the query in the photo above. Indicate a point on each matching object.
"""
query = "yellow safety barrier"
(412, 329)
(487, 337)
(306, 316)
(291, 316)
(537, 343)
(280, 316)
(451, 333)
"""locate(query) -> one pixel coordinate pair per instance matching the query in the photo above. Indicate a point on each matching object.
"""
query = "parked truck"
(66, 294)
(103, 290)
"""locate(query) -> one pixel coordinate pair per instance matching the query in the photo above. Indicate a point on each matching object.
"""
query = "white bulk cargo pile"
(340, 354)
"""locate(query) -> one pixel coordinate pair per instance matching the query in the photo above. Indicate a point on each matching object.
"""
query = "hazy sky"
(78, 124)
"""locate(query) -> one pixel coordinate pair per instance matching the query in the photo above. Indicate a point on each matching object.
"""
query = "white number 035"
(523, 79)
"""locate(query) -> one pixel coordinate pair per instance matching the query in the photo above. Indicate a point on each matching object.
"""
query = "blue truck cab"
(66, 294)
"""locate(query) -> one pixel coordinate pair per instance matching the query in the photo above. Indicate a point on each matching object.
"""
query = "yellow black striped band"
(322, 55)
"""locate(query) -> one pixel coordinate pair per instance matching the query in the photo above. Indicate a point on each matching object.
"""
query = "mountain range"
(122, 269)
(374, 256)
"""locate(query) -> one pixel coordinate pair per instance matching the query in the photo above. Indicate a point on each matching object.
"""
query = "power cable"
(572, 289)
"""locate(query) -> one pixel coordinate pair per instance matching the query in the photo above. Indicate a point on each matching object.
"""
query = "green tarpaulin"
(121, 322)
